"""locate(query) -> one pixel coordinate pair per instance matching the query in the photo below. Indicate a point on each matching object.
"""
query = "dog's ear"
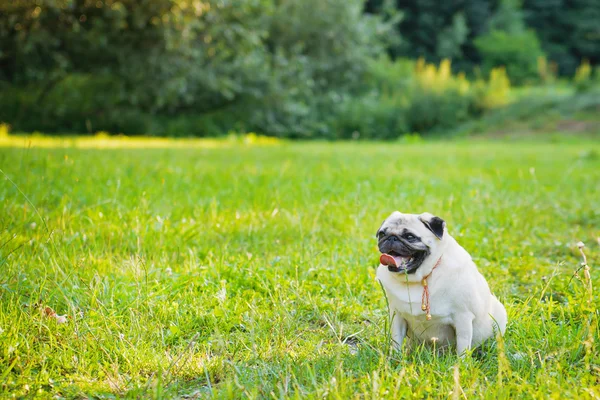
(435, 224)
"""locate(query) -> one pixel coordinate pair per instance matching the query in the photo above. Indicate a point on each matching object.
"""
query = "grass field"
(234, 269)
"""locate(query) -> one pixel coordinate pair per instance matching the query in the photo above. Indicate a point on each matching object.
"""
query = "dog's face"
(406, 241)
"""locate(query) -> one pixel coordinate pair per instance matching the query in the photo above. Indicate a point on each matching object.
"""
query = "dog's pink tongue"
(390, 261)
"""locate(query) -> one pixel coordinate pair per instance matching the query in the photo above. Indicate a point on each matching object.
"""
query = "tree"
(517, 52)
(435, 30)
(276, 66)
(452, 38)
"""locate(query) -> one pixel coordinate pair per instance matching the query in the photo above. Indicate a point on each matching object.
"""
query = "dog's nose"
(393, 238)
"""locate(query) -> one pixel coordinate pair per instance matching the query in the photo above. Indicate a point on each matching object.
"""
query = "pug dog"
(435, 292)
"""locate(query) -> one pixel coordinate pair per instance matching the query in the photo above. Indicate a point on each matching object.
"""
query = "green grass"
(236, 270)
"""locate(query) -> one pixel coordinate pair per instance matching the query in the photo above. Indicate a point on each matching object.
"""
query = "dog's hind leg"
(498, 313)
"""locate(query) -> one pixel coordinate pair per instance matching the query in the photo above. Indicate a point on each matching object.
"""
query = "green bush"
(494, 92)
(183, 67)
(583, 77)
(380, 112)
(90, 103)
(540, 113)
(517, 52)
(416, 97)
(296, 69)
(431, 110)
(371, 117)
(439, 99)
(397, 97)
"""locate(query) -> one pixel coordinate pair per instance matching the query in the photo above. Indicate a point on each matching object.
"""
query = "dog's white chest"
(405, 300)
(438, 329)
(404, 297)
(407, 305)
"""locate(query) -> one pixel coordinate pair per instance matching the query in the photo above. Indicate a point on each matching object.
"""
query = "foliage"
(426, 99)
(394, 98)
(372, 116)
(159, 55)
(568, 30)
(548, 112)
(439, 99)
(547, 72)
(451, 39)
(272, 64)
(436, 30)
(43, 41)
(510, 45)
(495, 92)
(4, 130)
(518, 53)
(206, 269)
(297, 69)
(317, 60)
(583, 76)
(508, 18)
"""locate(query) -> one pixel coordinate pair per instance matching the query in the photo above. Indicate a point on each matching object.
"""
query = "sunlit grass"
(105, 141)
(231, 270)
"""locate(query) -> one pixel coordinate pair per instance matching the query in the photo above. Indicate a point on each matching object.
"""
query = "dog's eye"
(410, 237)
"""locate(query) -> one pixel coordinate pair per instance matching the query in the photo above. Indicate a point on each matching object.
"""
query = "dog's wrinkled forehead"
(397, 222)
(423, 225)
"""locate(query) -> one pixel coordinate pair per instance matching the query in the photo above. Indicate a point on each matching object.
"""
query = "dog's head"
(408, 242)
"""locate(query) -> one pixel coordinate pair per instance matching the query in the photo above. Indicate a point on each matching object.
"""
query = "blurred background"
(332, 69)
